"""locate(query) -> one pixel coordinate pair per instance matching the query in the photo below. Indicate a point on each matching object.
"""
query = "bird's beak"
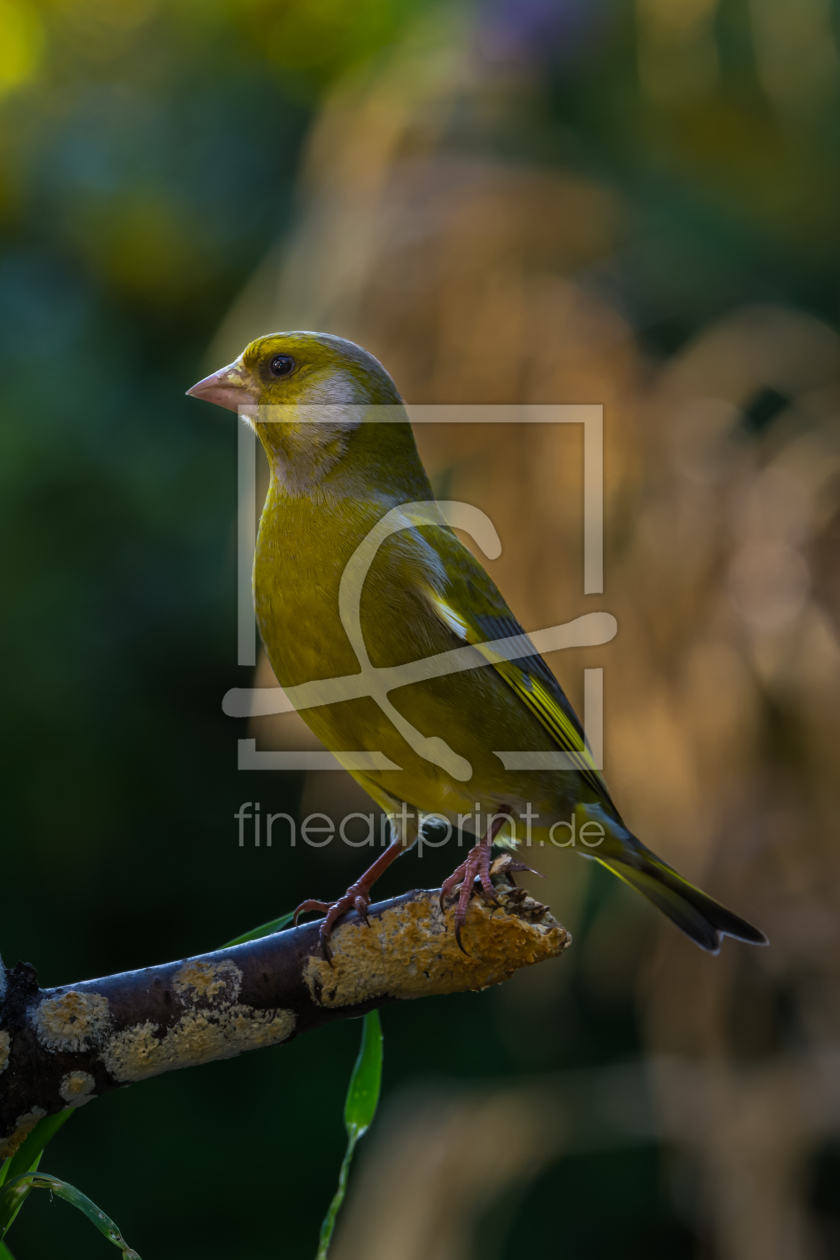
(230, 387)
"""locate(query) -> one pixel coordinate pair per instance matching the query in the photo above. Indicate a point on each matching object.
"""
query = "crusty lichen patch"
(208, 980)
(213, 1026)
(198, 1037)
(23, 1125)
(5, 1043)
(77, 1088)
(411, 951)
(72, 1021)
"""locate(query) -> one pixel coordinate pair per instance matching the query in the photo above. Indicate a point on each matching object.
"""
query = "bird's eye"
(281, 365)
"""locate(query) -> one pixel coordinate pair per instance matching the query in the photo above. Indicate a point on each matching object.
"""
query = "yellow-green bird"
(356, 574)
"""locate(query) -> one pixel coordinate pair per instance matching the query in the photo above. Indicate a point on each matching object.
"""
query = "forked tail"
(699, 916)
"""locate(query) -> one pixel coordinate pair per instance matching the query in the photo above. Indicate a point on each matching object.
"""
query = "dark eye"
(281, 365)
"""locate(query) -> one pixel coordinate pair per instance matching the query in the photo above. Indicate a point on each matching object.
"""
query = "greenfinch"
(365, 597)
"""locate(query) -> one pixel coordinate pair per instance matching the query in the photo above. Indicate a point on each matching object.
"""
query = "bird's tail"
(698, 915)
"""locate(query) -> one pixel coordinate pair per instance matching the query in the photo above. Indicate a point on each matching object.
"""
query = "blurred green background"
(176, 175)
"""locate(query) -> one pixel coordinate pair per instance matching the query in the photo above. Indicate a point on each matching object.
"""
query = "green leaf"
(276, 925)
(26, 1159)
(5, 1254)
(43, 1181)
(359, 1110)
(366, 1081)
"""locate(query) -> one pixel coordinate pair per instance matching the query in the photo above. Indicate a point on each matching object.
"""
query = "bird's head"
(305, 393)
(299, 368)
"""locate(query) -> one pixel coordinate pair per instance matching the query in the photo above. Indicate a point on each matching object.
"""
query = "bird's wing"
(473, 609)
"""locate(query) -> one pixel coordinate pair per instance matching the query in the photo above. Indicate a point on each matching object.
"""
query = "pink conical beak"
(228, 387)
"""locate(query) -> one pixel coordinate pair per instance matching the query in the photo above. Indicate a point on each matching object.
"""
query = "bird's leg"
(476, 866)
(356, 898)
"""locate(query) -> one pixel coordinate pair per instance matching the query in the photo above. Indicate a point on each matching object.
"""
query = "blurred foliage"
(718, 121)
(149, 157)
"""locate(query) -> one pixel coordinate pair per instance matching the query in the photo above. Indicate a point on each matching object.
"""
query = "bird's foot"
(476, 867)
(356, 898)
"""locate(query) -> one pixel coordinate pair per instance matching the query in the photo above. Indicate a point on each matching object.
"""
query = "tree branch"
(61, 1047)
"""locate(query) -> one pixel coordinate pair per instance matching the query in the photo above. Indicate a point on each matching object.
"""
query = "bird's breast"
(311, 625)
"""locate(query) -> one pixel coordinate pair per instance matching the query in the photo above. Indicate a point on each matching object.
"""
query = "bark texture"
(61, 1047)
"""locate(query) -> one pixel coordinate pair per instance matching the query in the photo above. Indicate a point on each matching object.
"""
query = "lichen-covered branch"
(61, 1047)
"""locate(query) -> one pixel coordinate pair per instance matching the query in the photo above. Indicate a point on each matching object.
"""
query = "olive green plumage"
(425, 593)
